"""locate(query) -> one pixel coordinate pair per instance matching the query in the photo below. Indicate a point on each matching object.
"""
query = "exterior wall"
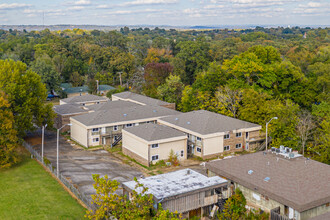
(79, 133)
(233, 140)
(135, 156)
(256, 200)
(92, 135)
(135, 145)
(170, 106)
(314, 212)
(212, 146)
(164, 149)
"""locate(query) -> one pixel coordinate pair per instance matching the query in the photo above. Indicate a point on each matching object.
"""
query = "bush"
(173, 158)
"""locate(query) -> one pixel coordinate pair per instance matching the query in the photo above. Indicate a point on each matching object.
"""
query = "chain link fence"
(81, 196)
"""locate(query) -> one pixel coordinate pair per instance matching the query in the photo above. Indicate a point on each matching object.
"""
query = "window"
(116, 137)
(227, 136)
(198, 149)
(154, 157)
(95, 129)
(129, 125)
(182, 153)
(199, 139)
(136, 124)
(247, 134)
(239, 134)
(97, 102)
(226, 148)
(83, 104)
(115, 128)
(238, 146)
(95, 140)
(154, 146)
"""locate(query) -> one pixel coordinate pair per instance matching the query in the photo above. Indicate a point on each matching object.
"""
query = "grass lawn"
(27, 191)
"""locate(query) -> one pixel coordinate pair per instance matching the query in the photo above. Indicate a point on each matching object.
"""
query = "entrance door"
(104, 141)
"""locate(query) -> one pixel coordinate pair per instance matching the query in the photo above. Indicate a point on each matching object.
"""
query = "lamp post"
(58, 145)
(267, 130)
(42, 142)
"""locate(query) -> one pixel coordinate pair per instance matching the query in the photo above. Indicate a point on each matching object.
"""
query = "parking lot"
(78, 164)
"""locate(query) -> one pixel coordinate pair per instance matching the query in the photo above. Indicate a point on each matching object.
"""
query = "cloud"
(148, 10)
(13, 6)
(82, 2)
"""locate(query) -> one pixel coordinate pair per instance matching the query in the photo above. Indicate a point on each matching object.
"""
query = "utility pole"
(121, 83)
(97, 87)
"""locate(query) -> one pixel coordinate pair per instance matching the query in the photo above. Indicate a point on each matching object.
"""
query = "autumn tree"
(109, 204)
(234, 207)
(229, 99)
(8, 138)
(26, 95)
(305, 128)
(171, 90)
(156, 55)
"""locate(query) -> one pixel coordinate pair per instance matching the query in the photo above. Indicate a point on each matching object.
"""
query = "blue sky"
(166, 12)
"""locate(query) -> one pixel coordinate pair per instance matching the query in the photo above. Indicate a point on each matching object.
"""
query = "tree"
(229, 99)
(109, 204)
(76, 79)
(8, 138)
(171, 90)
(157, 56)
(234, 207)
(26, 95)
(305, 127)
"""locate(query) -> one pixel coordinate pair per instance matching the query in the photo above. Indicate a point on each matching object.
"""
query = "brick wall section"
(170, 106)
(61, 120)
(135, 156)
(233, 140)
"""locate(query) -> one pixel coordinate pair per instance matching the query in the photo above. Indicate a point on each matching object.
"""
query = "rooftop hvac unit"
(277, 150)
(273, 149)
(291, 155)
(282, 148)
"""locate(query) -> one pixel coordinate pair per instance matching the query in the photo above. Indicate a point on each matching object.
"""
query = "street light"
(58, 145)
(267, 130)
(42, 142)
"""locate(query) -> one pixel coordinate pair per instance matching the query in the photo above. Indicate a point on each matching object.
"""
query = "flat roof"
(297, 182)
(176, 183)
(123, 114)
(140, 98)
(84, 98)
(154, 132)
(205, 122)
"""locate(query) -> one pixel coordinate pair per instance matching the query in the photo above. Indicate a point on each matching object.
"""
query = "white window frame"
(224, 137)
(115, 128)
(224, 148)
(153, 146)
(240, 146)
(95, 140)
(156, 155)
(239, 134)
(199, 150)
(95, 129)
(198, 138)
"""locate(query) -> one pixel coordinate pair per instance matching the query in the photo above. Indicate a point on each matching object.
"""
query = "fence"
(81, 196)
(275, 214)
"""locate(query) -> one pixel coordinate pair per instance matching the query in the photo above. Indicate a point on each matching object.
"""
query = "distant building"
(185, 191)
(281, 182)
(84, 100)
(210, 134)
(149, 143)
(83, 90)
(141, 99)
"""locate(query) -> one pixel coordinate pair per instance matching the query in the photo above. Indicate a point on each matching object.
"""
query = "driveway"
(78, 164)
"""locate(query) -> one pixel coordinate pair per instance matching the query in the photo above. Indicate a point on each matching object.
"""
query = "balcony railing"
(210, 200)
(95, 132)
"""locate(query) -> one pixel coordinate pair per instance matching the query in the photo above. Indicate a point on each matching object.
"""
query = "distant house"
(141, 99)
(149, 143)
(210, 134)
(185, 191)
(83, 90)
(104, 127)
(281, 182)
(84, 100)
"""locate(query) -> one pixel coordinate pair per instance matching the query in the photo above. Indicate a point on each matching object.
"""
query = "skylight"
(267, 179)
(250, 172)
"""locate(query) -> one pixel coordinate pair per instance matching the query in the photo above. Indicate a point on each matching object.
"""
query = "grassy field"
(27, 191)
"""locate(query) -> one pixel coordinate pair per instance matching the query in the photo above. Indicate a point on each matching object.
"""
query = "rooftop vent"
(267, 179)
(176, 119)
(125, 115)
(250, 172)
(154, 110)
(188, 122)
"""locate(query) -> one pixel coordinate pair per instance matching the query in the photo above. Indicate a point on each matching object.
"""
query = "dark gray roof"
(111, 105)
(84, 98)
(298, 183)
(123, 114)
(154, 132)
(140, 98)
(205, 122)
(68, 109)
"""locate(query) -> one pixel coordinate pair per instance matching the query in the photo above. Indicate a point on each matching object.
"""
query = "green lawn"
(27, 191)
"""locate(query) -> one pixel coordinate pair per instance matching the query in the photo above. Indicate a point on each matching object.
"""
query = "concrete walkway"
(78, 164)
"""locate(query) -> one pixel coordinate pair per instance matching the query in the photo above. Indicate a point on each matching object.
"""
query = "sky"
(165, 12)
